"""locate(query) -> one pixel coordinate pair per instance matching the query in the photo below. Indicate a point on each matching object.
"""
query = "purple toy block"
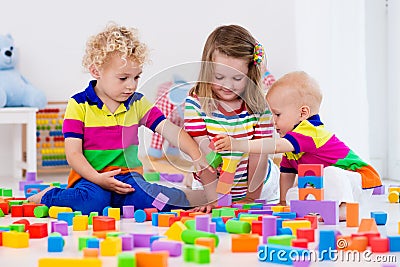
(268, 227)
(60, 227)
(213, 227)
(128, 211)
(172, 177)
(301, 263)
(380, 190)
(203, 223)
(262, 201)
(30, 176)
(329, 210)
(23, 183)
(224, 200)
(174, 248)
(141, 240)
(160, 201)
(237, 206)
(266, 212)
(127, 242)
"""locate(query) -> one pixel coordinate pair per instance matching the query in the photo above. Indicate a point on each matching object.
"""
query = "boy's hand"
(223, 142)
(206, 208)
(107, 181)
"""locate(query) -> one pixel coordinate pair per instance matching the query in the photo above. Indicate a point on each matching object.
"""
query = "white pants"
(340, 185)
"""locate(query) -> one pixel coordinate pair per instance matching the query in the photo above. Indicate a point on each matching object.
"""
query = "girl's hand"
(206, 208)
(107, 181)
(223, 142)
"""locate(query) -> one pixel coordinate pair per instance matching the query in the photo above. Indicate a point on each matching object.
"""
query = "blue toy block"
(219, 223)
(156, 237)
(66, 217)
(379, 216)
(32, 189)
(154, 218)
(281, 254)
(105, 211)
(327, 243)
(394, 243)
(93, 243)
(284, 231)
(55, 243)
(285, 215)
(314, 181)
(140, 216)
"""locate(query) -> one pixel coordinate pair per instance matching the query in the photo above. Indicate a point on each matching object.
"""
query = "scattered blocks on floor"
(196, 254)
(245, 243)
(14, 239)
(379, 216)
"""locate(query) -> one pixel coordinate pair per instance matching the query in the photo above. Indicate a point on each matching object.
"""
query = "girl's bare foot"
(342, 212)
(36, 198)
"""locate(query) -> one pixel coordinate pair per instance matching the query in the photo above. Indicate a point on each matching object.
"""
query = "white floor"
(222, 256)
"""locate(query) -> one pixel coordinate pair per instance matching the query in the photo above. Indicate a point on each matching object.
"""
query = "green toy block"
(126, 259)
(228, 212)
(214, 159)
(17, 227)
(284, 240)
(78, 213)
(250, 206)
(41, 211)
(7, 192)
(114, 234)
(152, 176)
(188, 253)
(56, 184)
(1, 213)
(190, 224)
(82, 242)
(216, 213)
(202, 254)
(238, 227)
(189, 236)
(91, 215)
(14, 203)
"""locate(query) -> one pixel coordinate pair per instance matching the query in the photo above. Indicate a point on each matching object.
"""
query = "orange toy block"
(38, 230)
(163, 219)
(14, 239)
(317, 193)
(352, 214)
(245, 243)
(368, 225)
(90, 253)
(311, 170)
(103, 223)
(359, 243)
(227, 177)
(80, 223)
(152, 259)
(111, 246)
(207, 242)
(114, 213)
(223, 188)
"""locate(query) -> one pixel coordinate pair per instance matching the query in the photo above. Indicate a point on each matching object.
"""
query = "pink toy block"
(329, 210)
(310, 170)
(160, 201)
(128, 211)
(224, 200)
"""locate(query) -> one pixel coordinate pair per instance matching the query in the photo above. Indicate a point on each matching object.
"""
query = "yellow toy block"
(15, 239)
(296, 224)
(229, 165)
(175, 231)
(178, 212)
(394, 197)
(317, 193)
(80, 223)
(54, 210)
(248, 219)
(110, 246)
(114, 213)
(394, 189)
(163, 219)
(277, 208)
(223, 188)
(67, 262)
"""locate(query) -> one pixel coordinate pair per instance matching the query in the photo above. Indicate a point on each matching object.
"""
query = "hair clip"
(258, 53)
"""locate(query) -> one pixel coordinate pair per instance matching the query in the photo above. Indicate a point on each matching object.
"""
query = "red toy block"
(256, 227)
(300, 243)
(370, 236)
(4, 207)
(38, 230)
(185, 213)
(29, 208)
(310, 170)
(306, 233)
(379, 244)
(313, 219)
(149, 212)
(103, 223)
(24, 222)
(173, 219)
(17, 211)
(226, 218)
(240, 211)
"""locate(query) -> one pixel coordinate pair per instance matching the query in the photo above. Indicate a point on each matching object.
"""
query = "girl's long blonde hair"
(233, 41)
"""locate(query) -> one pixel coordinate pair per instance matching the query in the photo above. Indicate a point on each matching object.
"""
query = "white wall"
(322, 37)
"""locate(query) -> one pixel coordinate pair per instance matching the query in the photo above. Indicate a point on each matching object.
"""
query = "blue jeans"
(86, 196)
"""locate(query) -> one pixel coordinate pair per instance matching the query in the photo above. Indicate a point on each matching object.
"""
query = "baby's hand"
(107, 181)
(223, 142)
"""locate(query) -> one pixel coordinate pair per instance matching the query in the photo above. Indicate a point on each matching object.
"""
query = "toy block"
(394, 243)
(244, 243)
(172, 177)
(127, 242)
(227, 177)
(152, 176)
(160, 201)
(66, 216)
(256, 227)
(128, 212)
(17, 211)
(317, 193)
(142, 240)
(105, 211)
(327, 242)
(32, 189)
(189, 236)
(202, 223)
(91, 243)
(313, 219)
(174, 248)
(370, 236)
(140, 216)
(238, 227)
(368, 225)
(310, 181)
(394, 189)
(310, 170)
(156, 237)
(269, 253)
(55, 243)
(188, 252)
(163, 219)
(38, 230)
(41, 211)
(202, 255)
(379, 216)
(190, 224)
(172, 220)
(60, 227)
(223, 188)
(284, 240)
(393, 197)
(206, 242)
(329, 210)
(178, 212)
(296, 224)
(379, 244)
(4, 207)
(252, 206)
(17, 227)
(91, 215)
(152, 259)
(54, 210)
(114, 213)
(1, 213)
(285, 215)
(352, 214)
(80, 223)
(126, 260)
(91, 253)
(277, 208)
(6, 192)
(149, 212)
(398, 228)
(214, 159)
(67, 262)
(111, 246)
(83, 241)
(305, 233)
(14, 239)
(219, 225)
(380, 190)
(25, 222)
(103, 223)
(300, 243)
(28, 209)
(229, 165)
(269, 227)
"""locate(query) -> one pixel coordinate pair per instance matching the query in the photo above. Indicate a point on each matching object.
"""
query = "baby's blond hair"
(304, 88)
(114, 39)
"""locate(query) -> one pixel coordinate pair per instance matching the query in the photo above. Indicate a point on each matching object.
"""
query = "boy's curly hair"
(114, 39)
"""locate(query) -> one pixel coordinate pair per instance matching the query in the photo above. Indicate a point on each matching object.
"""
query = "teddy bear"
(15, 90)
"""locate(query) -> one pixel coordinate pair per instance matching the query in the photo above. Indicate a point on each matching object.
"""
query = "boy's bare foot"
(36, 198)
